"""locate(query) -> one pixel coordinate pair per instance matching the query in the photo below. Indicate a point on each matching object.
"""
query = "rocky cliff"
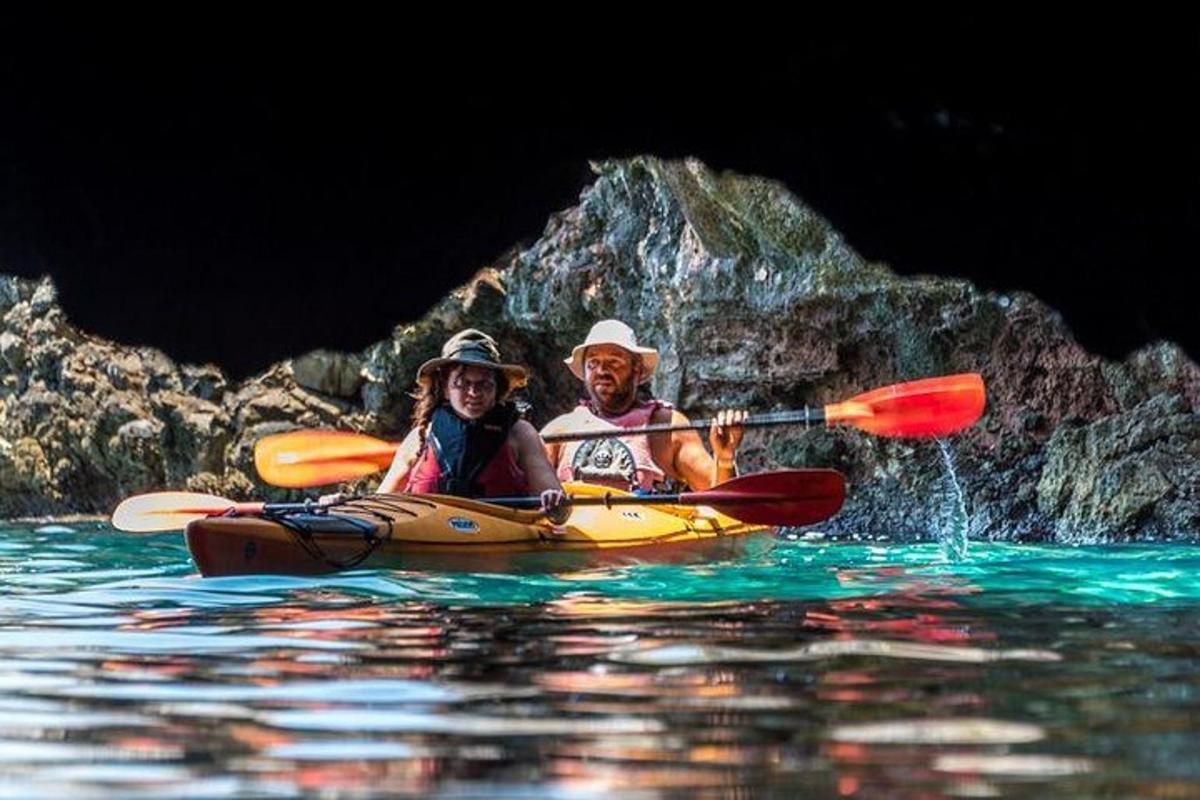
(754, 302)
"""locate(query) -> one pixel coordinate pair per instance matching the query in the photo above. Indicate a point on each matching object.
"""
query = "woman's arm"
(402, 464)
(531, 456)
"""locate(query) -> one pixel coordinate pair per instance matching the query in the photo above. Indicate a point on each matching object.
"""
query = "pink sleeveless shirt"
(622, 462)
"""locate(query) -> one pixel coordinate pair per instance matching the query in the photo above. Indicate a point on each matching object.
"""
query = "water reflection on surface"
(841, 671)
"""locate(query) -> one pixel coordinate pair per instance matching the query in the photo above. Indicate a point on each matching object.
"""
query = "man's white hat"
(614, 332)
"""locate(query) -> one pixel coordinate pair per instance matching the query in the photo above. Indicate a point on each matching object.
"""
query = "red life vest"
(450, 461)
(502, 477)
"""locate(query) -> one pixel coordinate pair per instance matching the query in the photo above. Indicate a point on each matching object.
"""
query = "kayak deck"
(440, 532)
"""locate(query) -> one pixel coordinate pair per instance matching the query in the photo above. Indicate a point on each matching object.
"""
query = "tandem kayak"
(404, 531)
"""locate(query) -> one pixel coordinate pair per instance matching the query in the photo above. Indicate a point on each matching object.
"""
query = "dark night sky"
(243, 200)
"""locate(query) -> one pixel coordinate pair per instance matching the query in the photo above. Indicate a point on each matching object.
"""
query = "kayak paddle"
(917, 409)
(924, 408)
(781, 497)
(170, 511)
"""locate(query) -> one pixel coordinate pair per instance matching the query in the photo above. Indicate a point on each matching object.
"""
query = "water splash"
(953, 535)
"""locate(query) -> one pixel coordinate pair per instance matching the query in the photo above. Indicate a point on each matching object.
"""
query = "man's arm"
(693, 464)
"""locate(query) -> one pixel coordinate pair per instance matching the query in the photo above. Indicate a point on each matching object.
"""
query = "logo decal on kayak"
(631, 514)
(464, 525)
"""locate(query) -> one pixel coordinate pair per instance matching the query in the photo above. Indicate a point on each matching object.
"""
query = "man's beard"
(620, 399)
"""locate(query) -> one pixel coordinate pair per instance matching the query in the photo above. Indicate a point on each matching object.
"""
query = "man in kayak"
(612, 366)
(467, 438)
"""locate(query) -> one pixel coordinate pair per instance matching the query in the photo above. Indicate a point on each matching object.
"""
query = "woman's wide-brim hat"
(614, 332)
(473, 348)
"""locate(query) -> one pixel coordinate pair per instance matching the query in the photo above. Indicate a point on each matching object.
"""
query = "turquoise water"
(806, 668)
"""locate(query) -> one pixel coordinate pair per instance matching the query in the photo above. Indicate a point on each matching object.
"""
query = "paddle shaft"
(929, 407)
(257, 508)
(807, 416)
(680, 499)
(779, 497)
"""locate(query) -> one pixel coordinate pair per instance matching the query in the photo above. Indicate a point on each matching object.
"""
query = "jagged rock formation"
(753, 300)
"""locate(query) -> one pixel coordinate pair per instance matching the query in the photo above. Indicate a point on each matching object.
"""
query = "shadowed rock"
(753, 300)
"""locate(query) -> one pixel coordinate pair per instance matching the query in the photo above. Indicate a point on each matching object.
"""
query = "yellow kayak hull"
(452, 533)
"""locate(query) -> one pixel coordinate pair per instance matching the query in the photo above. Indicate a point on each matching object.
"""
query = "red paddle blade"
(781, 497)
(929, 407)
(166, 511)
(300, 459)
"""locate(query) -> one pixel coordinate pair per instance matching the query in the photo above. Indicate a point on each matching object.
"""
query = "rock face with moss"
(85, 422)
(754, 302)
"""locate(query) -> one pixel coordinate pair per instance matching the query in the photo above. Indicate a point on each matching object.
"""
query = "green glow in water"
(95, 566)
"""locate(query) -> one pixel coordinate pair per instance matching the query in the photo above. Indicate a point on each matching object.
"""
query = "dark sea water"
(805, 669)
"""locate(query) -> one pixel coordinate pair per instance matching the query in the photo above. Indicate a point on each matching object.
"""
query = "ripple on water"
(869, 669)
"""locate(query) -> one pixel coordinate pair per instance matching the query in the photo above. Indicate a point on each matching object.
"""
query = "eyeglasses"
(483, 387)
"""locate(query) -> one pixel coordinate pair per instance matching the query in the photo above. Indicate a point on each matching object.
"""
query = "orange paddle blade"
(300, 459)
(166, 511)
(929, 407)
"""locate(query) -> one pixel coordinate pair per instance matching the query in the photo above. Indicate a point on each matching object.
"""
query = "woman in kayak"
(467, 438)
